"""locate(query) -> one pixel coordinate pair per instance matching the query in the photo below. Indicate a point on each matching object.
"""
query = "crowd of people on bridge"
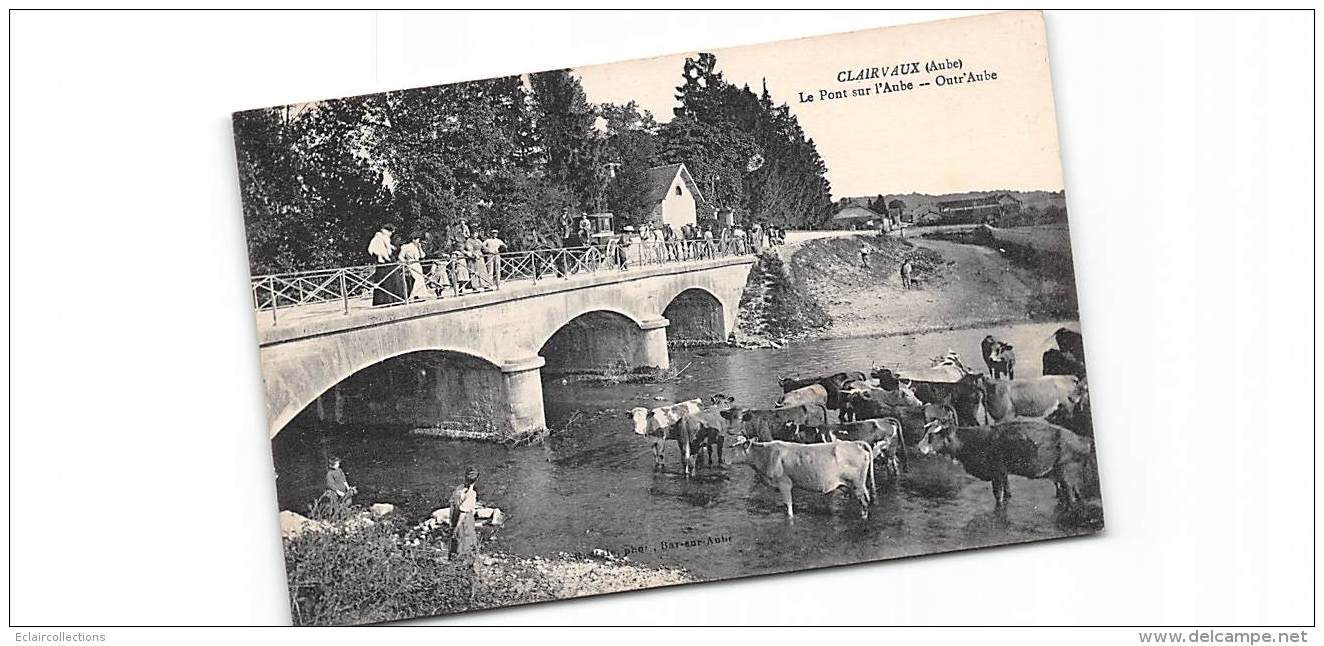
(463, 260)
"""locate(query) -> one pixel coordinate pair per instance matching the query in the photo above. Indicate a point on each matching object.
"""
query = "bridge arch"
(419, 387)
(603, 339)
(454, 378)
(696, 316)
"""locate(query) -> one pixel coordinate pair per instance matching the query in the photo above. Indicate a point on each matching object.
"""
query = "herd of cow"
(994, 426)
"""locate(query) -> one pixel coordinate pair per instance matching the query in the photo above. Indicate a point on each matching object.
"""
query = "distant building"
(922, 214)
(857, 217)
(977, 209)
(675, 196)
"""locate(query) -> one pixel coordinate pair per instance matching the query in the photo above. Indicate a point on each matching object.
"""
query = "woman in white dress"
(412, 254)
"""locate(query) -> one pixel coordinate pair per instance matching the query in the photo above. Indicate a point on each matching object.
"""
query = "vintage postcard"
(709, 315)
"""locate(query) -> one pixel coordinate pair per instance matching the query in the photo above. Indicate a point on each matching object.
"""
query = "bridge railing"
(455, 275)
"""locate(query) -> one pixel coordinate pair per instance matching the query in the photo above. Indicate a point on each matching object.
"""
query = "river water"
(591, 484)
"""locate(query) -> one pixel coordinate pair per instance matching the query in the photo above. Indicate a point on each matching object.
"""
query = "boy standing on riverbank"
(464, 535)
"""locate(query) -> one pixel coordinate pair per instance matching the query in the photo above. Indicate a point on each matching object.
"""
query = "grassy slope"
(824, 290)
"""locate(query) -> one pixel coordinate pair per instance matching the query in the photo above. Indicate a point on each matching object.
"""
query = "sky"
(968, 136)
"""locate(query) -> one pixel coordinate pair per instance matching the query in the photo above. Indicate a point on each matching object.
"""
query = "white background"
(141, 489)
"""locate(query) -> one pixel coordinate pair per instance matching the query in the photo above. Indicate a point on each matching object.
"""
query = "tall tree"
(567, 136)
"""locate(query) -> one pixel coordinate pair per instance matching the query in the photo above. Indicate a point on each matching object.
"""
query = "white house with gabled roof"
(674, 195)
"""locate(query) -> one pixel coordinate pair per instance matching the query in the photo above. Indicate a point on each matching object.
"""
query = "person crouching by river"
(337, 485)
(388, 278)
(464, 534)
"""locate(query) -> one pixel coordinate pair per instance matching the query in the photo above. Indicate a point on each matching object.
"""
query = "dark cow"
(795, 383)
(811, 394)
(831, 383)
(785, 424)
(999, 357)
(1057, 362)
(886, 378)
(914, 419)
(1029, 448)
(867, 403)
(813, 467)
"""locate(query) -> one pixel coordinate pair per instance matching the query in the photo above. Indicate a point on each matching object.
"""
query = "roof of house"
(853, 212)
(661, 177)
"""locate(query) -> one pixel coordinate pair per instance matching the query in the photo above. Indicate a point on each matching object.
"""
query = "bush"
(371, 574)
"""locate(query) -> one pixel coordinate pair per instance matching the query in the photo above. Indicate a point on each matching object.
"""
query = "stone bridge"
(485, 353)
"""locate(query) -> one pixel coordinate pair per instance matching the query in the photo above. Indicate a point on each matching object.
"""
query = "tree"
(571, 145)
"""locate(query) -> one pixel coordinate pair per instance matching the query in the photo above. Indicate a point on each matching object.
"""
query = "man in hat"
(464, 503)
(492, 248)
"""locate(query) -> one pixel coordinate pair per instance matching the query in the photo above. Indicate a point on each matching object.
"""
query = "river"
(591, 484)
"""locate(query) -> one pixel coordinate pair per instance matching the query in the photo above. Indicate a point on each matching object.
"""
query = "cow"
(661, 424)
(795, 383)
(865, 403)
(1035, 397)
(1058, 362)
(705, 431)
(811, 394)
(886, 378)
(831, 383)
(999, 357)
(1030, 448)
(813, 467)
(884, 435)
(657, 423)
(913, 419)
(785, 424)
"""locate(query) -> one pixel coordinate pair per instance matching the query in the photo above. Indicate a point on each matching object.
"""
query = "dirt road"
(971, 286)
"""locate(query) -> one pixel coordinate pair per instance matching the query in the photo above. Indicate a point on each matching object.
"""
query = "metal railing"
(453, 276)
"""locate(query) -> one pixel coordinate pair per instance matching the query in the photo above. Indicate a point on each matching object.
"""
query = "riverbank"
(958, 285)
(354, 572)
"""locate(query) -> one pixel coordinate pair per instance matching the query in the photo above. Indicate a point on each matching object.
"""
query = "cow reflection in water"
(1030, 448)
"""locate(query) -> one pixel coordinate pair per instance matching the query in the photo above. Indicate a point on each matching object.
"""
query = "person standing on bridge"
(388, 279)
(412, 255)
(479, 279)
(585, 230)
(492, 248)
(459, 266)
